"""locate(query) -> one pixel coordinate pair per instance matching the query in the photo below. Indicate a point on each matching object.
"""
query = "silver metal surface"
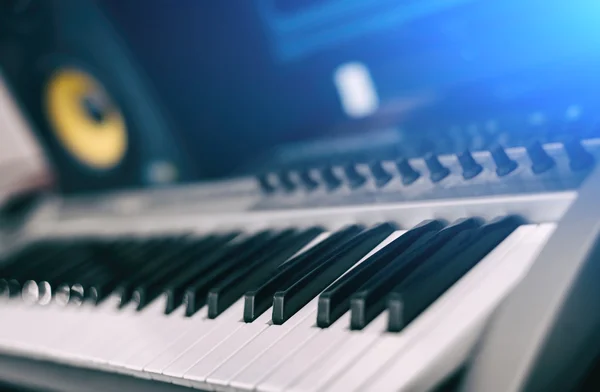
(545, 334)
(48, 221)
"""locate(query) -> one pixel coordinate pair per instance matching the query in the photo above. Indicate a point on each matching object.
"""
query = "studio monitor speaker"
(99, 120)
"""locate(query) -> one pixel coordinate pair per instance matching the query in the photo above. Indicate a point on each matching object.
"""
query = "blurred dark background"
(240, 77)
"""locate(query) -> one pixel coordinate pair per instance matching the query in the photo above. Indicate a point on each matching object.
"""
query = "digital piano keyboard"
(411, 275)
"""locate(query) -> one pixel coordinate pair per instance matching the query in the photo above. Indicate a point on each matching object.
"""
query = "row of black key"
(404, 277)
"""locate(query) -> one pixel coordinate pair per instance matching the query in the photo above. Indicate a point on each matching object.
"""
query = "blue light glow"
(326, 24)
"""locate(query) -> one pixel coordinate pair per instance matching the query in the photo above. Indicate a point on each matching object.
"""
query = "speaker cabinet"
(99, 120)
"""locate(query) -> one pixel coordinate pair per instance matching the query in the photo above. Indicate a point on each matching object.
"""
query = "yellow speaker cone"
(84, 119)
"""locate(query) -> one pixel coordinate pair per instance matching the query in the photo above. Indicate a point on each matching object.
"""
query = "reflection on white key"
(316, 347)
(445, 347)
(390, 344)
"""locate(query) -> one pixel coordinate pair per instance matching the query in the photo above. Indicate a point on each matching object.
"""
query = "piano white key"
(340, 357)
(199, 326)
(445, 347)
(175, 356)
(113, 327)
(197, 374)
(133, 325)
(221, 378)
(388, 345)
(179, 327)
(314, 349)
(144, 335)
(36, 324)
(82, 326)
(56, 321)
(291, 369)
(271, 358)
(32, 326)
(15, 335)
(101, 325)
(205, 346)
(65, 324)
(165, 330)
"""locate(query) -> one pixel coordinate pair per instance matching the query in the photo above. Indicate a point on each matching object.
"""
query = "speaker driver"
(84, 119)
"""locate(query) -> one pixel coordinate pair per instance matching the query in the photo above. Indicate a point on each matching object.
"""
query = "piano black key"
(72, 265)
(99, 288)
(259, 299)
(292, 298)
(169, 280)
(370, 299)
(69, 293)
(16, 261)
(154, 286)
(98, 282)
(75, 287)
(76, 294)
(31, 265)
(111, 261)
(41, 288)
(196, 294)
(8, 289)
(335, 300)
(407, 301)
(117, 262)
(158, 266)
(229, 290)
(150, 263)
(441, 256)
(102, 281)
(90, 286)
(25, 261)
(175, 289)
